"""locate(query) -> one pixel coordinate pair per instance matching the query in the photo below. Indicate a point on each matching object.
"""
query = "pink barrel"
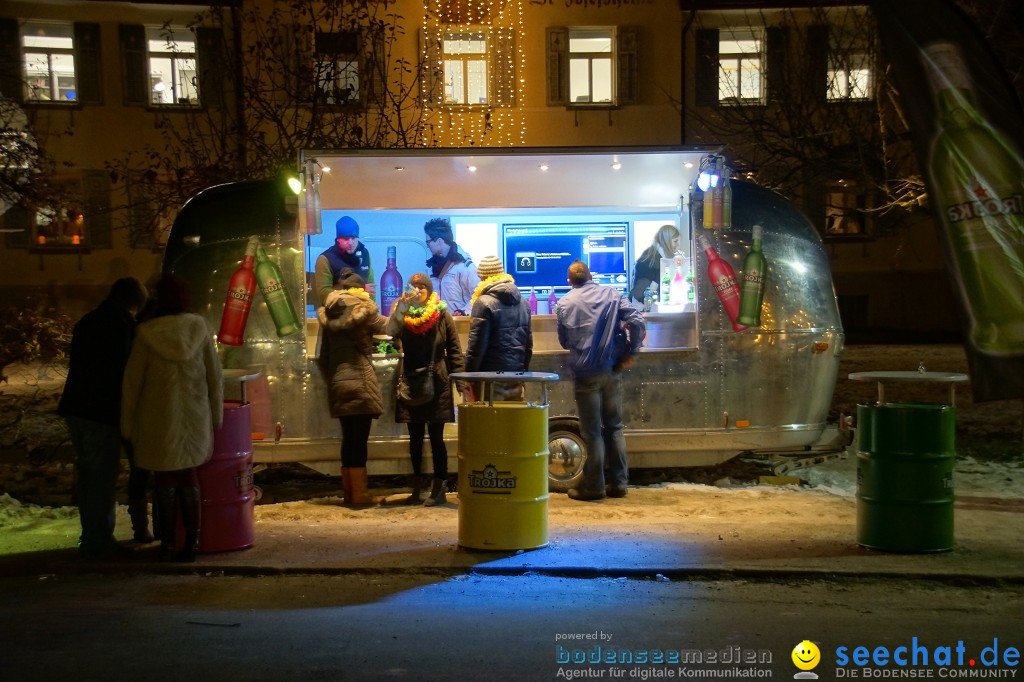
(225, 482)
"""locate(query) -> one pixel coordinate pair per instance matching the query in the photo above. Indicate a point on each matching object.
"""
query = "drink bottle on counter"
(238, 302)
(752, 288)
(279, 303)
(390, 283)
(552, 302)
(677, 289)
(723, 281)
(976, 175)
(666, 279)
(533, 301)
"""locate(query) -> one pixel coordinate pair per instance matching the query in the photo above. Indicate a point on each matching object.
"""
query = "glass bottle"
(533, 301)
(723, 281)
(718, 195)
(390, 283)
(552, 302)
(666, 279)
(976, 177)
(726, 198)
(752, 288)
(279, 303)
(238, 302)
(677, 289)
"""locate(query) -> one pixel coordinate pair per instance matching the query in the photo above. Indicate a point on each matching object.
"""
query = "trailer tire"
(567, 454)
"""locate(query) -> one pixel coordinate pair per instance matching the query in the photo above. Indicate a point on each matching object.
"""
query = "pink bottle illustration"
(723, 280)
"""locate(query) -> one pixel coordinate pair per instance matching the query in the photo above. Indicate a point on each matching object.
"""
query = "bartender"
(346, 252)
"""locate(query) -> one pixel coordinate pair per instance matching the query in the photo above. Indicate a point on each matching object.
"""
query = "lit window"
(171, 57)
(337, 67)
(844, 211)
(740, 76)
(849, 67)
(49, 57)
(62, 223)
(465, 67)
(590, 65)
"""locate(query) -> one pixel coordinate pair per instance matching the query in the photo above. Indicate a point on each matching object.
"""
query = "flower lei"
(420, 319)
(493, 279)
(357, 291)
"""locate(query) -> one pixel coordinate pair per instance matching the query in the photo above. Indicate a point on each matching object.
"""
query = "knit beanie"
(346, 227)
(423, 280)
(490, 266)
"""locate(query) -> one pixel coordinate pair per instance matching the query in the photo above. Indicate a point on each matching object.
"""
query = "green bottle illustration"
(752, 286)
(271, 283)
(977, 181)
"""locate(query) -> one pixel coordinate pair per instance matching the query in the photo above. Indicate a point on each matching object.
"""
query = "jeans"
(599, 403)
(97, 465)
(355, 433)
(438, 450)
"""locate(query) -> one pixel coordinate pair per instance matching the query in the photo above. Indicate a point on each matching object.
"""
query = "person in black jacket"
(91, 407)
(500, 337)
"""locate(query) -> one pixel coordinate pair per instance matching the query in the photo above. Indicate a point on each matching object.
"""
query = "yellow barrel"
(503, 475)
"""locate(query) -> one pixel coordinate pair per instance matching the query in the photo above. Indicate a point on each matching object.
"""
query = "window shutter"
(557, 42)
(707, 67)
(777, 65)
(11, 84)
(133, 64)
(626, 86)
(817, 61)
(141, 211)
(432, 68)
(373, 80)
(303, 62)
(210, 60)
(96, 207)
(87, 63)
(18, 218)
(503, 67)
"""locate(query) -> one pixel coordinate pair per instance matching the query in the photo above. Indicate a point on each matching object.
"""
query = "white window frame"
(48, 62)
(466, 58)
(592, 65)
(337, 78)
(741, 64)
(172, 66)
(850, 73)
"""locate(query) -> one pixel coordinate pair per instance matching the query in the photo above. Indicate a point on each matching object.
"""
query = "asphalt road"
(476, 627)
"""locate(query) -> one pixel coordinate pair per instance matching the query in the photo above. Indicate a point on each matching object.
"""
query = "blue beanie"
(346, 227)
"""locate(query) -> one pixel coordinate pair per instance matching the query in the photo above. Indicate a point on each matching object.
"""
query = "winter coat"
(100, 345)
(442, 343)
(500, 338)
(598, 326)
(173, 393)
(349, 322)
(455, 284)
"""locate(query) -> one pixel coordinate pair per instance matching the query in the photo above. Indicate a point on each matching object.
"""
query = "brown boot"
(359, 495)
(346, 485)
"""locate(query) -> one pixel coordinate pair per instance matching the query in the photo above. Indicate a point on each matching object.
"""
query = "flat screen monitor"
(539, 255)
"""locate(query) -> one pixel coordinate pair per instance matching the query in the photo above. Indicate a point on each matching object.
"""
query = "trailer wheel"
(567, 454)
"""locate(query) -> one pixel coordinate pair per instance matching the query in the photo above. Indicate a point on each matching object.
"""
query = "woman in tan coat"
(350, 319)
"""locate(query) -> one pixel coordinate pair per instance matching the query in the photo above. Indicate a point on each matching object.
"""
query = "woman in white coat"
(172, 402)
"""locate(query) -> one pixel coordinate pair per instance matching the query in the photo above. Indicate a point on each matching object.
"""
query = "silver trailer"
(700, 392)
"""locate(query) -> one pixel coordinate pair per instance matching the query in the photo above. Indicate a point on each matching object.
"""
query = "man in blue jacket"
(602, 332)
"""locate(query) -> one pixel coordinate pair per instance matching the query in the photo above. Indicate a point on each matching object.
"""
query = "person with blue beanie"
(346, 252)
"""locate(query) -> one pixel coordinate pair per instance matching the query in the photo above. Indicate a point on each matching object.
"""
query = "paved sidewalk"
(675, 531)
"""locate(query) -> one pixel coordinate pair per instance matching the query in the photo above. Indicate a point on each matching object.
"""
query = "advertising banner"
(968, 132)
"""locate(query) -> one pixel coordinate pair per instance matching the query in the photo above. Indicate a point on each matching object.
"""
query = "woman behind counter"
(350, 319)
(648, 265)
(426, 331)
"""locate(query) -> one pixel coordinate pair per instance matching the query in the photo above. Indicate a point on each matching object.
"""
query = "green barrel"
(905, 457)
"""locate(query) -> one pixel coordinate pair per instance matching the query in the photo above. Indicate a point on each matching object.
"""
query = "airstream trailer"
(705, 388)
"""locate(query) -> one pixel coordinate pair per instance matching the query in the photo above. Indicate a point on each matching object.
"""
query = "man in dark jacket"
(602, 332)
(500, 338)
(91, 407)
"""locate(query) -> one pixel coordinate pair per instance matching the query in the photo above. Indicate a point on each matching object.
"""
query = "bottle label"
(753, 277)
(239, 298)
(968, 216)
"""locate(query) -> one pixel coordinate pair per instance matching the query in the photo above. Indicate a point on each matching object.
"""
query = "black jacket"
(100, 345)
(500, 338)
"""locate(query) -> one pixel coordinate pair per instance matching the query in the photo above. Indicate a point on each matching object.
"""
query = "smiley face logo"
(806, 655)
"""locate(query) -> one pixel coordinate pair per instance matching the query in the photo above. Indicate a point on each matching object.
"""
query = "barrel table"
(503, 466)
(905, 456)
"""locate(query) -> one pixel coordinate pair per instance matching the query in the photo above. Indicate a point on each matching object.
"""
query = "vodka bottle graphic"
(752, 288)
(241, 287)
(977, 180)
(723, 281)
(390, 283)
(275, 295)
(533, 301)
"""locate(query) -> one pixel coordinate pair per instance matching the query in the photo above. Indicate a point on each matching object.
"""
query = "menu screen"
(539, 255)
